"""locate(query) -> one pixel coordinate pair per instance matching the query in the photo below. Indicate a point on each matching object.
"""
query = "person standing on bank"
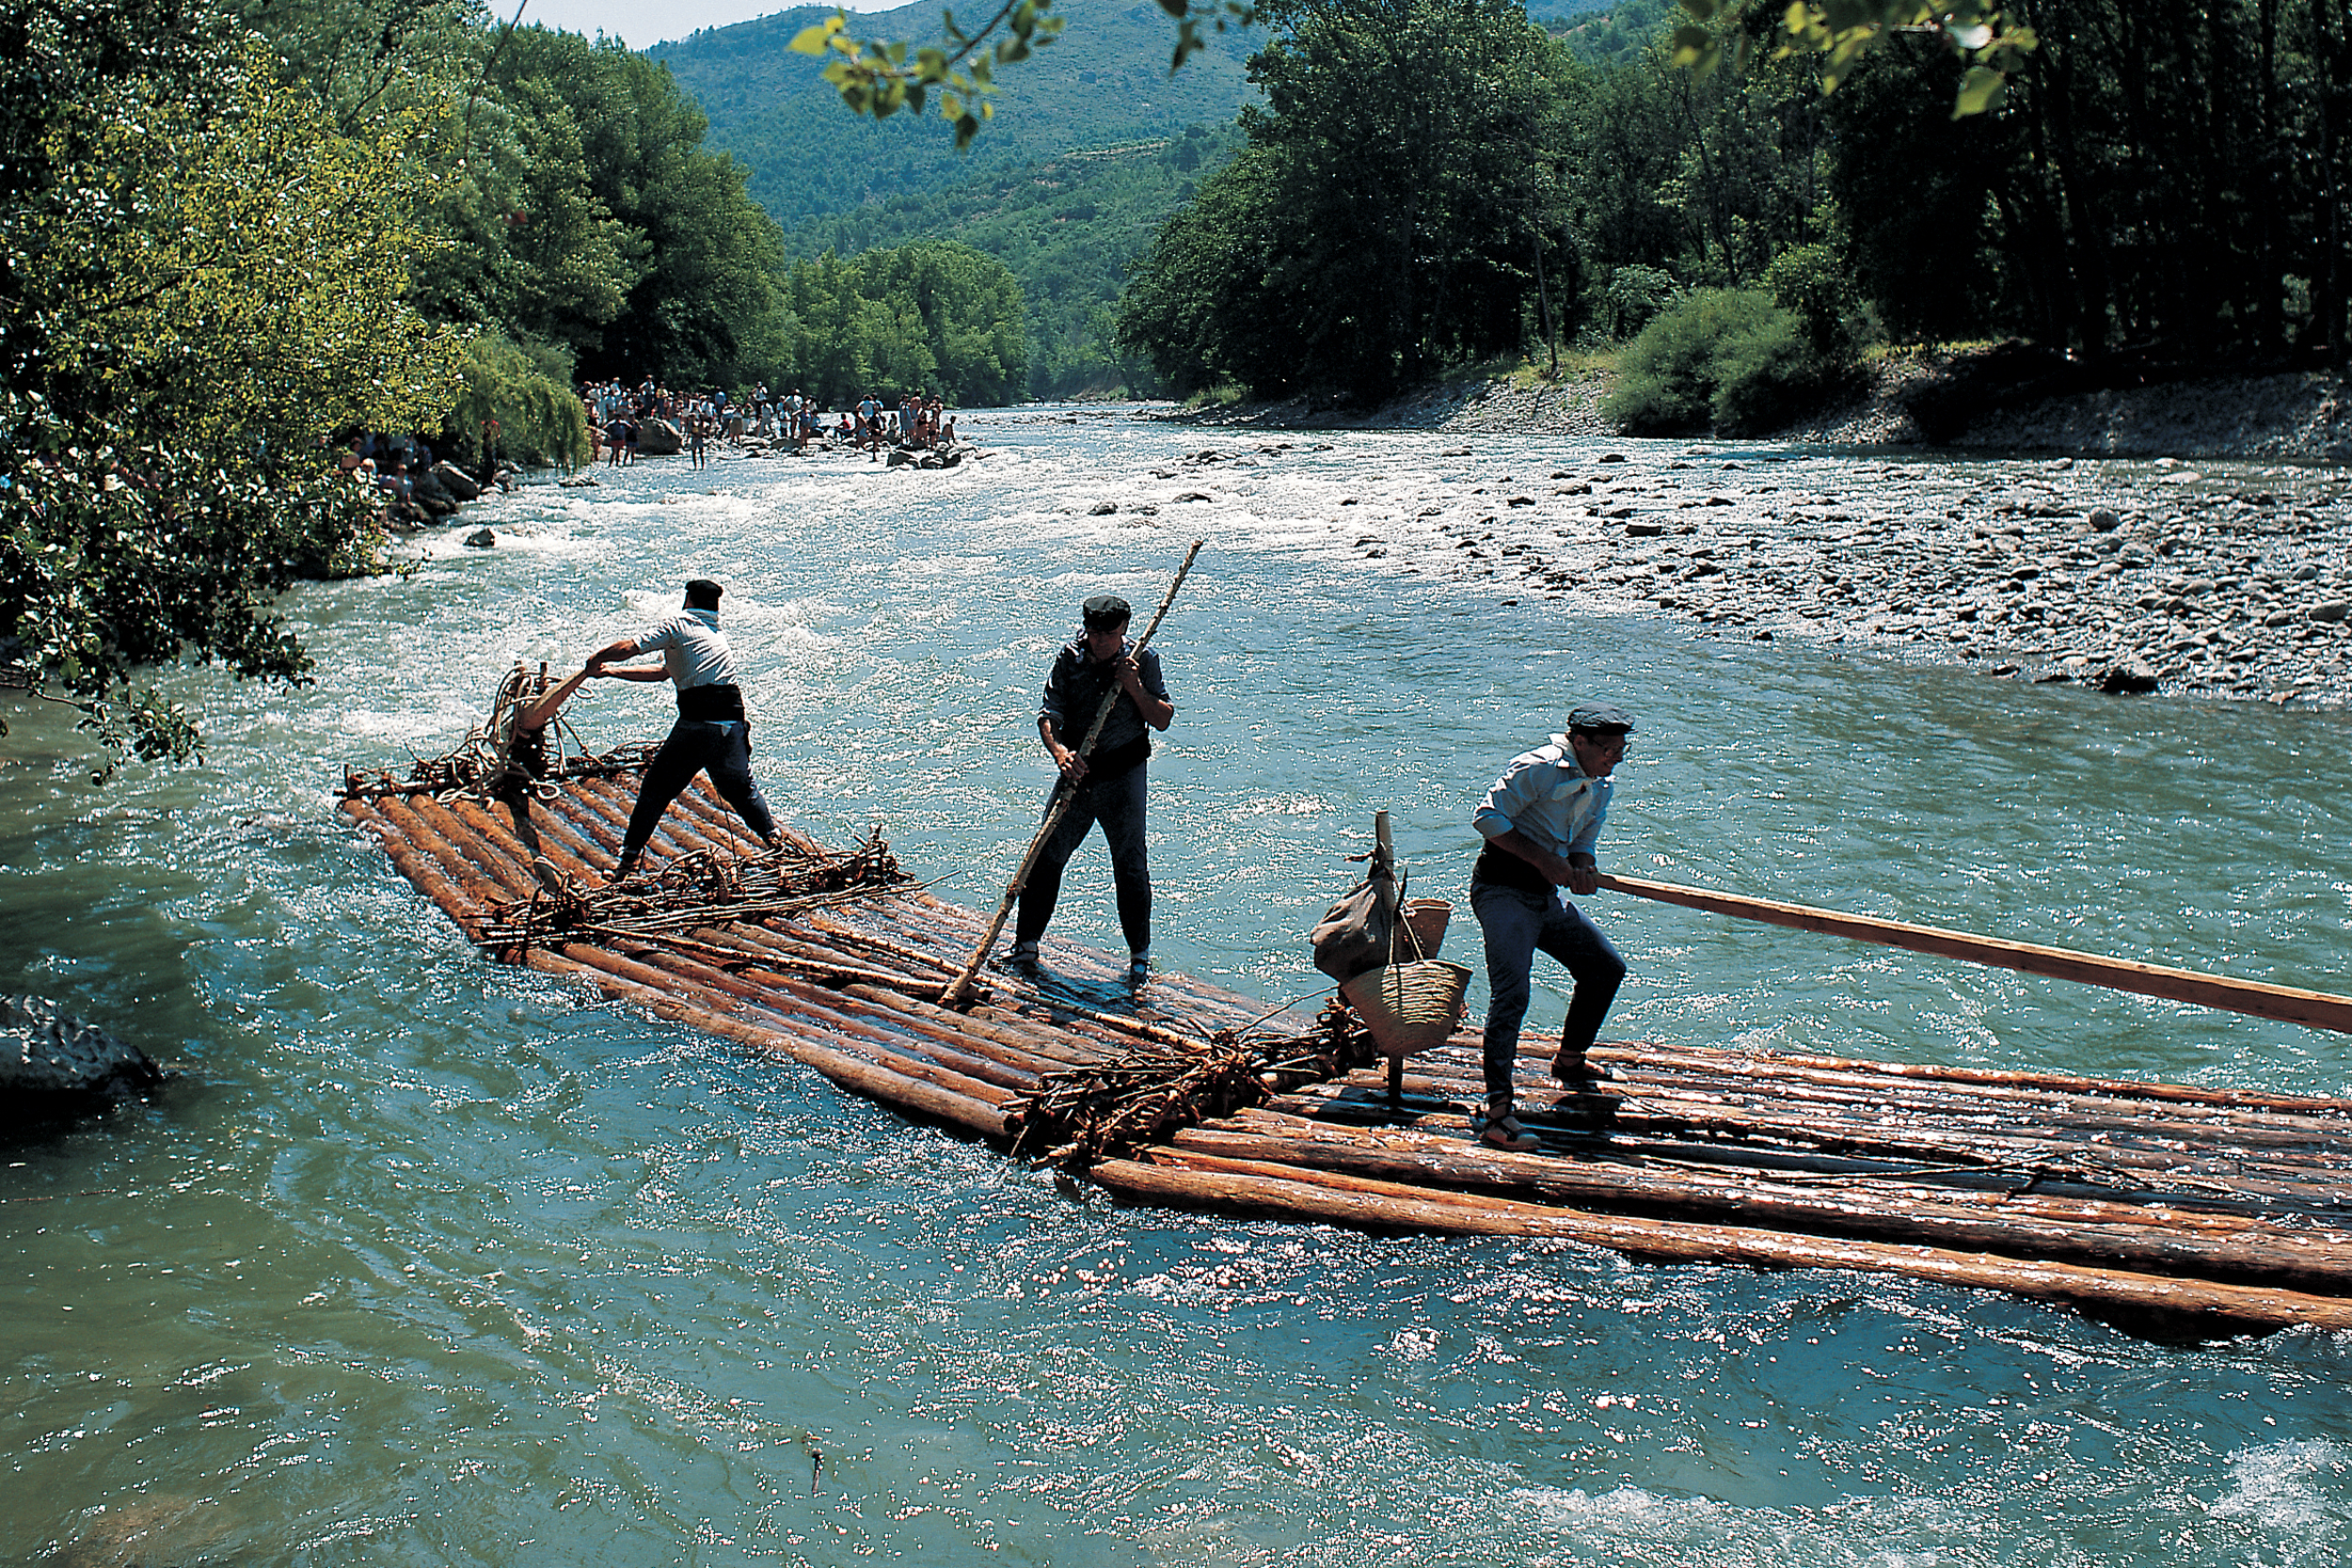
(1540, 821)
(1106, 787)
(712, 734)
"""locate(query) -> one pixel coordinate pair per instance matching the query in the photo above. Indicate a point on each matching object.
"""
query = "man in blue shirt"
(1541, 821)
(712, 732)
(1106, 786)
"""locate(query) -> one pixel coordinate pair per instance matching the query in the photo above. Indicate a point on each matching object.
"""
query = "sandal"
(1504, 1131)
(1570, 1068)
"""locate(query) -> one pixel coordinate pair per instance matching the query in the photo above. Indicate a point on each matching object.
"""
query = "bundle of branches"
(1106, 1110)
(496, 758)
(704, 888)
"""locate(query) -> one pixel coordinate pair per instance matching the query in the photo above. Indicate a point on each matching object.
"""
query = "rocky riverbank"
(2122, 562)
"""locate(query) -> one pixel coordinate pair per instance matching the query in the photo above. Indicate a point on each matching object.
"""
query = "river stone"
(482, 539)
(1101, 509)
(456, 482)
(2333, 610)
(2127, 677)
(659, 438)
(2280, 618)
(580, 482)
(426, 494)
(2104, 520)
(53, 1064)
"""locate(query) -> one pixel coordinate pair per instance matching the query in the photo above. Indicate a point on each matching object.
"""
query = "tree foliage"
(881, 76)
(1067, 229)
(1391, 216)
(1989, 43)
(2164, 177)
(933, 316)
(202, 273)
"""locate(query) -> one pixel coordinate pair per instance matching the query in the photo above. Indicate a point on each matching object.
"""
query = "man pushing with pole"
(1103, 678)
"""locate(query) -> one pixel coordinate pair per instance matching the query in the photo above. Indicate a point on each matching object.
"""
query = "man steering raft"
(1107, 784)
(1540, 821)
(712, 734)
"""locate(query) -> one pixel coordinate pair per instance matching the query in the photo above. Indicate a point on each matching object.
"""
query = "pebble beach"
(2193, 539)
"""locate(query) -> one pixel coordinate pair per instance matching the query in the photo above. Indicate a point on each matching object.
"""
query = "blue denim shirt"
(1554, 804)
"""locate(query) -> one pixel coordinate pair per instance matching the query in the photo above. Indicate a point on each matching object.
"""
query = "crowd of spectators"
(388, 464)
(617, 415)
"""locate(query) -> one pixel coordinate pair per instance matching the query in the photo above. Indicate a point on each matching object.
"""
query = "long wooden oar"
(1059, 808)
(2315, 1010)
(543, 709)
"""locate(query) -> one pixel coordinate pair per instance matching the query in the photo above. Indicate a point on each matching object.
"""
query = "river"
(432, 1261)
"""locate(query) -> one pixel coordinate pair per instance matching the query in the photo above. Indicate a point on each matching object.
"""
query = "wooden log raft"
(2204, 1210)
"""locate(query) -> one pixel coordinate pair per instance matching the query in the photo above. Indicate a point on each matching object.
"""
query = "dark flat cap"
(1599, 719)
(1105, 609)
(703, 588)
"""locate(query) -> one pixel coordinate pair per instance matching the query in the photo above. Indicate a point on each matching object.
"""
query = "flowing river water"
(428, 1260)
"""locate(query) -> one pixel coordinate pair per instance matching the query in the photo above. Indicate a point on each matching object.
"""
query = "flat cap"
(703, 588)
(1105, 609)
(1599, 719)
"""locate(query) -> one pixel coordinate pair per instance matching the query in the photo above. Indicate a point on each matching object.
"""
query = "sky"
(641, 25)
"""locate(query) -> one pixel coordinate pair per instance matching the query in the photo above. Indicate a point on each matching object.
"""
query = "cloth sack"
(1354, 934)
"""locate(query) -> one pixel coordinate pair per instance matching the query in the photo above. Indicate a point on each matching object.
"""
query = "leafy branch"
(879, 77)
(1846, 30)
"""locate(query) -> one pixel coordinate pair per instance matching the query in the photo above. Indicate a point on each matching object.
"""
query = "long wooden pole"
(2287, 1004)
(1063, 795)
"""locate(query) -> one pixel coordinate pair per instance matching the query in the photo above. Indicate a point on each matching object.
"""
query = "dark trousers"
(722, 748)
(1117, 805)
(1517, 925)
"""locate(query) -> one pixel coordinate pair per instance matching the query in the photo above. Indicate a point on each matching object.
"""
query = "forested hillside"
(1104, 83)
(1066, 228)
(1093, 144)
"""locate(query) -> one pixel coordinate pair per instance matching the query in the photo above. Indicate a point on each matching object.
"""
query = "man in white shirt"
(1542, 821)
(712, 732)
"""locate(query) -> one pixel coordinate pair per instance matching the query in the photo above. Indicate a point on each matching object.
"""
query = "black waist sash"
(1499, 867)
(710, 704)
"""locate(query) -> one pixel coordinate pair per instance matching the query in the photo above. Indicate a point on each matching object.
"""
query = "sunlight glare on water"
(430, 1261)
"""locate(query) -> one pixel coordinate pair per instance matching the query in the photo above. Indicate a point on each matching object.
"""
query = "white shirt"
(692, 648)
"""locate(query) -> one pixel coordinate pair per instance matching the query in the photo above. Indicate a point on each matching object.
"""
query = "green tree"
(1389, 216)
(201, 273)
(933, 316)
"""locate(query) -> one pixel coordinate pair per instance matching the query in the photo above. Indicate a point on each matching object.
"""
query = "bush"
(1631, 300)
(1729, 357)
(1806, 280)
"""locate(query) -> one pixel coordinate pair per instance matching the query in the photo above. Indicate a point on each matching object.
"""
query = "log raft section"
(2166, 1206)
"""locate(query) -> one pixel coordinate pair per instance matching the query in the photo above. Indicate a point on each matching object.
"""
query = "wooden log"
(476, 892)
(719, 993)
(2153, 1118)
(418, 865)
(2285, 1004)
(2206, 1307)
(2068, 1232)
(2209, 1177)
(856, 1074)
(1778, 1063)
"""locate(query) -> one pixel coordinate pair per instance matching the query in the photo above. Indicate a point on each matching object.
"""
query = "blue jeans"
(1117, 805)
(1517, 925)
(723, 747)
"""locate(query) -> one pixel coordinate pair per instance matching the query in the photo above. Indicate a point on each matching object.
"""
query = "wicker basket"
(1409, 1007)
(1427, 919)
